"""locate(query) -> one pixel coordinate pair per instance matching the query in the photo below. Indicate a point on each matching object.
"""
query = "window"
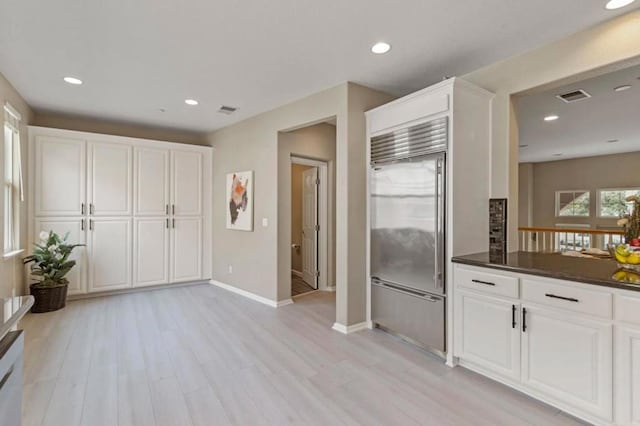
(612, 202)
(572, 203)
(12, 181)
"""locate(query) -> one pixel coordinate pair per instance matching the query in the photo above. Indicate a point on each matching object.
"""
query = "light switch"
(265, 222)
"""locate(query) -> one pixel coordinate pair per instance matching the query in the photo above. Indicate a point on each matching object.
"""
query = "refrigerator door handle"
(439, 237)
(421, 295)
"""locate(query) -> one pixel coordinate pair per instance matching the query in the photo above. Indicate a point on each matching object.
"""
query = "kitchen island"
(12, 310)
(562, 329)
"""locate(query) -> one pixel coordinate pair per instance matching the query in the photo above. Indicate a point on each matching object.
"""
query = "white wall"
(612, 42)
(11, 270)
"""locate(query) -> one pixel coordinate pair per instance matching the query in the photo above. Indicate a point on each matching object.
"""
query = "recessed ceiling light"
(622, 88)
(380, 48)
(523, 146)
(551, 118)
(617, 4)
(73, 80)
(191, 102)
(558, 154)
(612, 141)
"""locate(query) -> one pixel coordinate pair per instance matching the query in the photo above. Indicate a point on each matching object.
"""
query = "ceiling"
(138, 57)
(583, 127)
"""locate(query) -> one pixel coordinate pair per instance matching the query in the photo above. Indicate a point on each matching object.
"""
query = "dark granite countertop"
(554, 265)
(12, 310)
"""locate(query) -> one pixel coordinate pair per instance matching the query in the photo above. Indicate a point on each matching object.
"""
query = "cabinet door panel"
(151, 251)
(186, 187)
(60, 176)
(486, 334)
(628, 375)
(109, 254)
(110, 179)
(569, 358)
(186, 249)
(74, 226)
(151, 193)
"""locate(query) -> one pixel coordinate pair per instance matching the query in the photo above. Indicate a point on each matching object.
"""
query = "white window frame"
(557, 201)
(599, 192)
(13, 187)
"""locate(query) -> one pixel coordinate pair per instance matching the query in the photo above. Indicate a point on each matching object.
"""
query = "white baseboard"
(252, 296)
(296, 273)
(331, 289)
(348, 329)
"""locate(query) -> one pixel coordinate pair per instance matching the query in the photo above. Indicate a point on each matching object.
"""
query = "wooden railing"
(563, 239)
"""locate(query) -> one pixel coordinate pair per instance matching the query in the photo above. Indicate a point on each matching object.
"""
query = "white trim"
(252, 296)
(325, 244)
(599, 192)
(12, 253)
(348, 329)
(11, 110)
(296, 273)
(329, 289)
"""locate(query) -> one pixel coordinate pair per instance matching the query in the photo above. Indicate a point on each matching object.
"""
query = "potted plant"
(50, 263)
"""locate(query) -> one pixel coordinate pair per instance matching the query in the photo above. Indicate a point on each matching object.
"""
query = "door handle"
(524, 320)
(513, 316)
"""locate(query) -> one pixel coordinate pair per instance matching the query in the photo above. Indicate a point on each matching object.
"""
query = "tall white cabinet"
(143, 208)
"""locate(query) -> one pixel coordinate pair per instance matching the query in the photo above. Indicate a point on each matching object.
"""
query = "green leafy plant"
(50, 259)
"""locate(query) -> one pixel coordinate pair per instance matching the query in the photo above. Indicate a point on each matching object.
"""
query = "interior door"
(406, 223)
(110, 179)
(75, 226)
(109, 247)
(151, 171)
(186, 249)
(60, 175)
(150, 251)
(310, 226)
(186, 186)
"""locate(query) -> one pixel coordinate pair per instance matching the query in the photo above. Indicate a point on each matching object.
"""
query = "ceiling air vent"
(573, 96)
(224, 109)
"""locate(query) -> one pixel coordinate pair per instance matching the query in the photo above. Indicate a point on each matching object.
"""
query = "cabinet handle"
(524, 320)
(570, 299)
(173, 209)
(173, 221)
(91, 208)
(82, 225)
(82, 208)
(6, 376)
(166, 208)
(90, 224)
(483, 282)
(167, 223)
(513, 316)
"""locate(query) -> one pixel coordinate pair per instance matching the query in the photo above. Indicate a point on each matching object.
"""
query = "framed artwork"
(240, 201)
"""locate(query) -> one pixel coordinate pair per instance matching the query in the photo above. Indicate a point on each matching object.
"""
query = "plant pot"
(48, 298)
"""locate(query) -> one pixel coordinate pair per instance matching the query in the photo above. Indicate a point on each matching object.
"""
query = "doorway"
(308, 225)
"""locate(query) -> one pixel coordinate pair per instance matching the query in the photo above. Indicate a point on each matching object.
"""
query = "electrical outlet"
(231, 269)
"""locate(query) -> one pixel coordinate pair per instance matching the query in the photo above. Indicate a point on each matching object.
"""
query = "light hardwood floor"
(202, 356)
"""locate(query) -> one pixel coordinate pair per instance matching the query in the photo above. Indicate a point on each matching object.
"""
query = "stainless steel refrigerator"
(407, 187)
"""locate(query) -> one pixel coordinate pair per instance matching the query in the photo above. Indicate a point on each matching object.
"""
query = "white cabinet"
(487, 333)
(59, 176)
(150, 251)
(186, 185)
(628, 375)
(568, 358)
(110, 179)
(151, 177)
(75, 227)
(109, 247)
(186, 249)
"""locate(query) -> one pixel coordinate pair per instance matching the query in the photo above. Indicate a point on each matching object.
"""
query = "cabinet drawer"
(627, 308)
(568, 297)
(486, 282)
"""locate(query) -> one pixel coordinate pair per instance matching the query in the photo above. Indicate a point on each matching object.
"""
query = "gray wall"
(591, 173)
